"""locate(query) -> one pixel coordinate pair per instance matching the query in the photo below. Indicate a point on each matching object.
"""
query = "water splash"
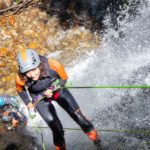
(120, 60)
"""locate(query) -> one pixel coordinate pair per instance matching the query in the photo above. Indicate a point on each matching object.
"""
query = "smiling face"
(33, 74)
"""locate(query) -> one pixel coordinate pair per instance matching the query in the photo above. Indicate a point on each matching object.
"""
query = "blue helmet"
(2, 102)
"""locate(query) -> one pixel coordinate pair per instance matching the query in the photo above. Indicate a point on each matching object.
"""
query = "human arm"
(62, 77)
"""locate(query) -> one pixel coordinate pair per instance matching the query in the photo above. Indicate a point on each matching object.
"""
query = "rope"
(69, 86)
(38, 130)
(108, 87)
(112, 130)
(109, 130)
(103, 130)
(145, 132)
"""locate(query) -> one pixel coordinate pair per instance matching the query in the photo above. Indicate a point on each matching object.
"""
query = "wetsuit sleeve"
(56, 66)
(20, 87)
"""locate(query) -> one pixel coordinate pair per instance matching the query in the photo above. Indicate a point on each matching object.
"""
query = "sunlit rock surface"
(33, 28)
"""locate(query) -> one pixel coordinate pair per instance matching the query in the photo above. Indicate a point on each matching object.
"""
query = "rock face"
(21, 31)
(5, 3)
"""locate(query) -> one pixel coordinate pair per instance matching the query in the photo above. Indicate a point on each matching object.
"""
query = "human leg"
(68, 103)
(47, 111)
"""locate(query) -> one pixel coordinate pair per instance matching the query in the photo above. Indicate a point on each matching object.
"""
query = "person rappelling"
(35, 80)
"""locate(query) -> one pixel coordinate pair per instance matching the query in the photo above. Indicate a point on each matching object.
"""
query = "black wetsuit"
(69, 104)
(46, 109)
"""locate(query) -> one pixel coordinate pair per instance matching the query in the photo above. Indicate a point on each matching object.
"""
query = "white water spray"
(118, 61)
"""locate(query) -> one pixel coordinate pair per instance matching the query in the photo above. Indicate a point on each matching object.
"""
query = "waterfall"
(123, 58)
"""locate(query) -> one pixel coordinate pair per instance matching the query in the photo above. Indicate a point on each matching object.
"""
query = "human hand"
(48, 93)
(30, 105)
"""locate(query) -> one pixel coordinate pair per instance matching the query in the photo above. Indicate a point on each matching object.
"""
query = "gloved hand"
(32, 113)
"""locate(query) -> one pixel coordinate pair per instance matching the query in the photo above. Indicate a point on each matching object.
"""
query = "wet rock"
(5, 3)
(13, 141)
